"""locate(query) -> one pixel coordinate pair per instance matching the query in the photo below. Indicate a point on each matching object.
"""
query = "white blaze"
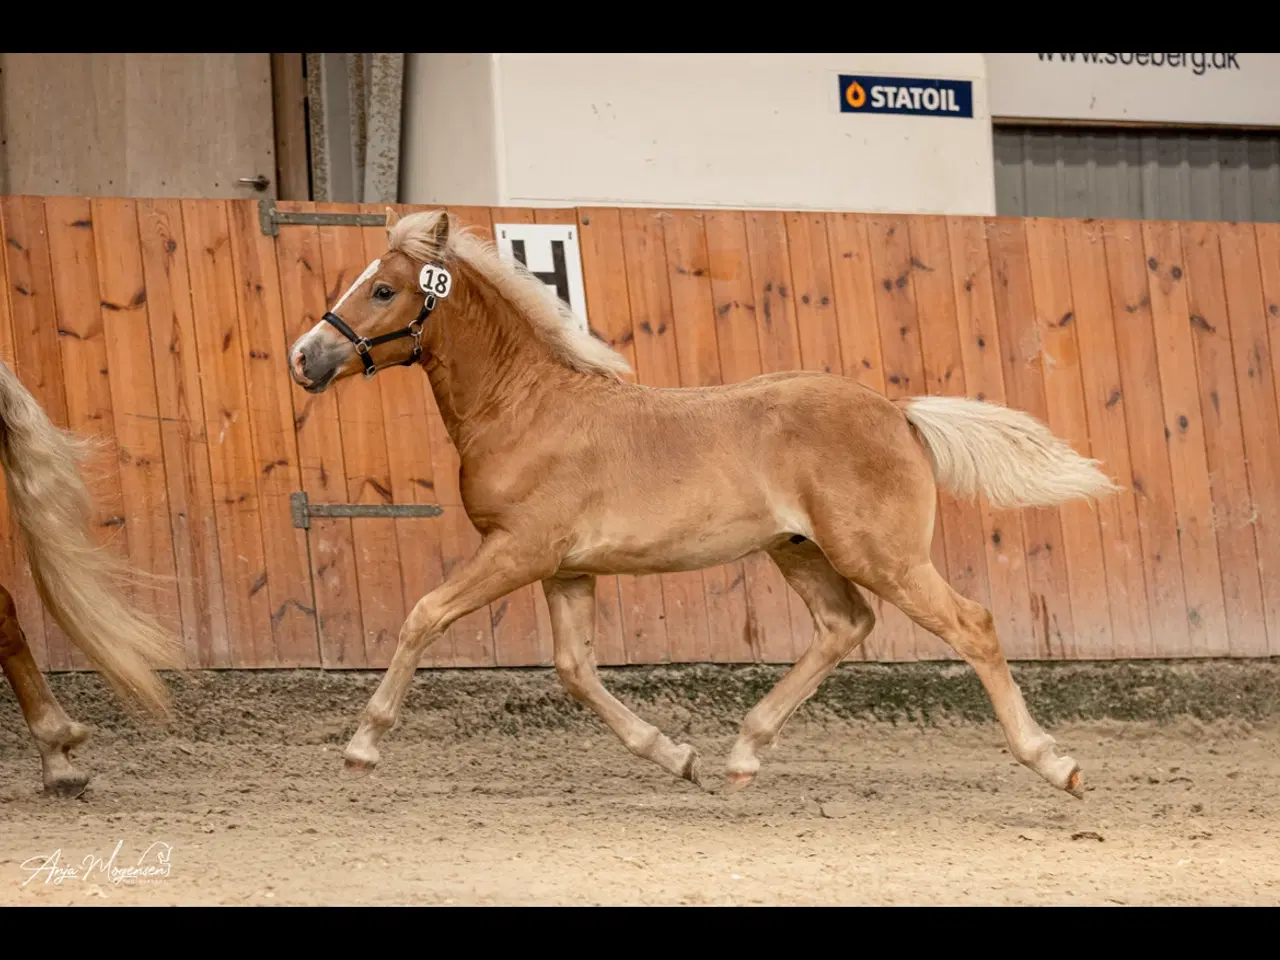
(303, 340)
(369, 271)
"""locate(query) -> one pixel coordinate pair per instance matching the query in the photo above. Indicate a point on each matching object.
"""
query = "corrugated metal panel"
(1122, 174)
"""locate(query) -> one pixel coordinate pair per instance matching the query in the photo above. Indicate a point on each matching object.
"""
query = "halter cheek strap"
(363, 344)
(432, 278)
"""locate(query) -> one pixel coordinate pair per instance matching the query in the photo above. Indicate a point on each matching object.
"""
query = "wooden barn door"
(365, 497)
(157, 326)
(137, 125)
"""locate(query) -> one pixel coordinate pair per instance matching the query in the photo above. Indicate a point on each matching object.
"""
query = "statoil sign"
(911, 96)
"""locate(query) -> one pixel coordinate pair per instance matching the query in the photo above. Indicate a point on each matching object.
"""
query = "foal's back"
(778, 420)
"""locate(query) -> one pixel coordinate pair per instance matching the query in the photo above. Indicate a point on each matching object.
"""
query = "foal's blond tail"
(79, 581)
(1013, 458)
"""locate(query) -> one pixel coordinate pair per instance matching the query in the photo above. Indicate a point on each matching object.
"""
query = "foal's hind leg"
(969, 628)
(55, 733)
(571, 603)
(841, 618)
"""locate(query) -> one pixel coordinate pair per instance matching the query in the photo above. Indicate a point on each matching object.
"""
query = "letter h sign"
(551, 253)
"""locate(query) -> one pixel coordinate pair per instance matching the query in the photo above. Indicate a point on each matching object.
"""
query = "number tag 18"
(435, 280)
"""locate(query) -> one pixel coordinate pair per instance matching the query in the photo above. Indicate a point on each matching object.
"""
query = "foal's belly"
(671, 534)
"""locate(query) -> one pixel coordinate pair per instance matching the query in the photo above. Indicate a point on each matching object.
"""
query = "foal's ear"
(392, 219)
(440, 236)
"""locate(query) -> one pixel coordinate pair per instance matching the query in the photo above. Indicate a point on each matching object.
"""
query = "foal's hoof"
(355, 769)
(357, 762)
(733, 782)
(69, 786)
(691, 769)
(1059, 769)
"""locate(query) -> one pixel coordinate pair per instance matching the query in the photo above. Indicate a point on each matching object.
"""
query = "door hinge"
(303, 510)
(270, 219)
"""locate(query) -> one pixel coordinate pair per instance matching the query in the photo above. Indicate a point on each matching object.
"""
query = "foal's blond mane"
(549, 317)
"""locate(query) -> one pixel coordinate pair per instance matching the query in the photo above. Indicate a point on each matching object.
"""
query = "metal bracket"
(303, 510)
(269, 219)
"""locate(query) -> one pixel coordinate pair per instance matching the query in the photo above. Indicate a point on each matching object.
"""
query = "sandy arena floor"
(253, 809)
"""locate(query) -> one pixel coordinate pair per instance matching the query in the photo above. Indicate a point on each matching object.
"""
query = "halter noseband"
(434, 280)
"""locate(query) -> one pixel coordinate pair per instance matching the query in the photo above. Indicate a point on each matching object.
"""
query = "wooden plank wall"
(162, 325)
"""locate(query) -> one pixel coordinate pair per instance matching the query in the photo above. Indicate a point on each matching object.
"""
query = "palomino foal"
(570, 472)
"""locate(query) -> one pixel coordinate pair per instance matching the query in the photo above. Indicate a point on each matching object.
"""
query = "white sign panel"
(551, 252)
(1235, 89)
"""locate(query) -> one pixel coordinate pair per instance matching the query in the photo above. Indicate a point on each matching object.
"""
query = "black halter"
(363, 344)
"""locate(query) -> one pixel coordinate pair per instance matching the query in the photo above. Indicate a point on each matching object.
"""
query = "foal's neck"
(490, 372)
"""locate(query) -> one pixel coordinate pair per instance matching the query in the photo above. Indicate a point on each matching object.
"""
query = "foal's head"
(379, 322)
(403, 302)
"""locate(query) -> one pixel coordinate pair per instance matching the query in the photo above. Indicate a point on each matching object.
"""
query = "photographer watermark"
(119, 868)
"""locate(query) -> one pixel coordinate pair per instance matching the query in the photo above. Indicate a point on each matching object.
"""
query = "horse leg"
(968, 627)
(500, 565)
(571, 604)
(842, 619)
(55, 733)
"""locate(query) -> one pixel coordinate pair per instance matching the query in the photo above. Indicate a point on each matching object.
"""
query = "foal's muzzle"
(309, 357)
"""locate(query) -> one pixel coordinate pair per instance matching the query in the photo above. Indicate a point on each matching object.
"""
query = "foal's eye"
(383, 292)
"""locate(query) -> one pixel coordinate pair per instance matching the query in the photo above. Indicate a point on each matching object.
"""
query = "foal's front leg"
(571, 603)
(55, 733)
(501, 564)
